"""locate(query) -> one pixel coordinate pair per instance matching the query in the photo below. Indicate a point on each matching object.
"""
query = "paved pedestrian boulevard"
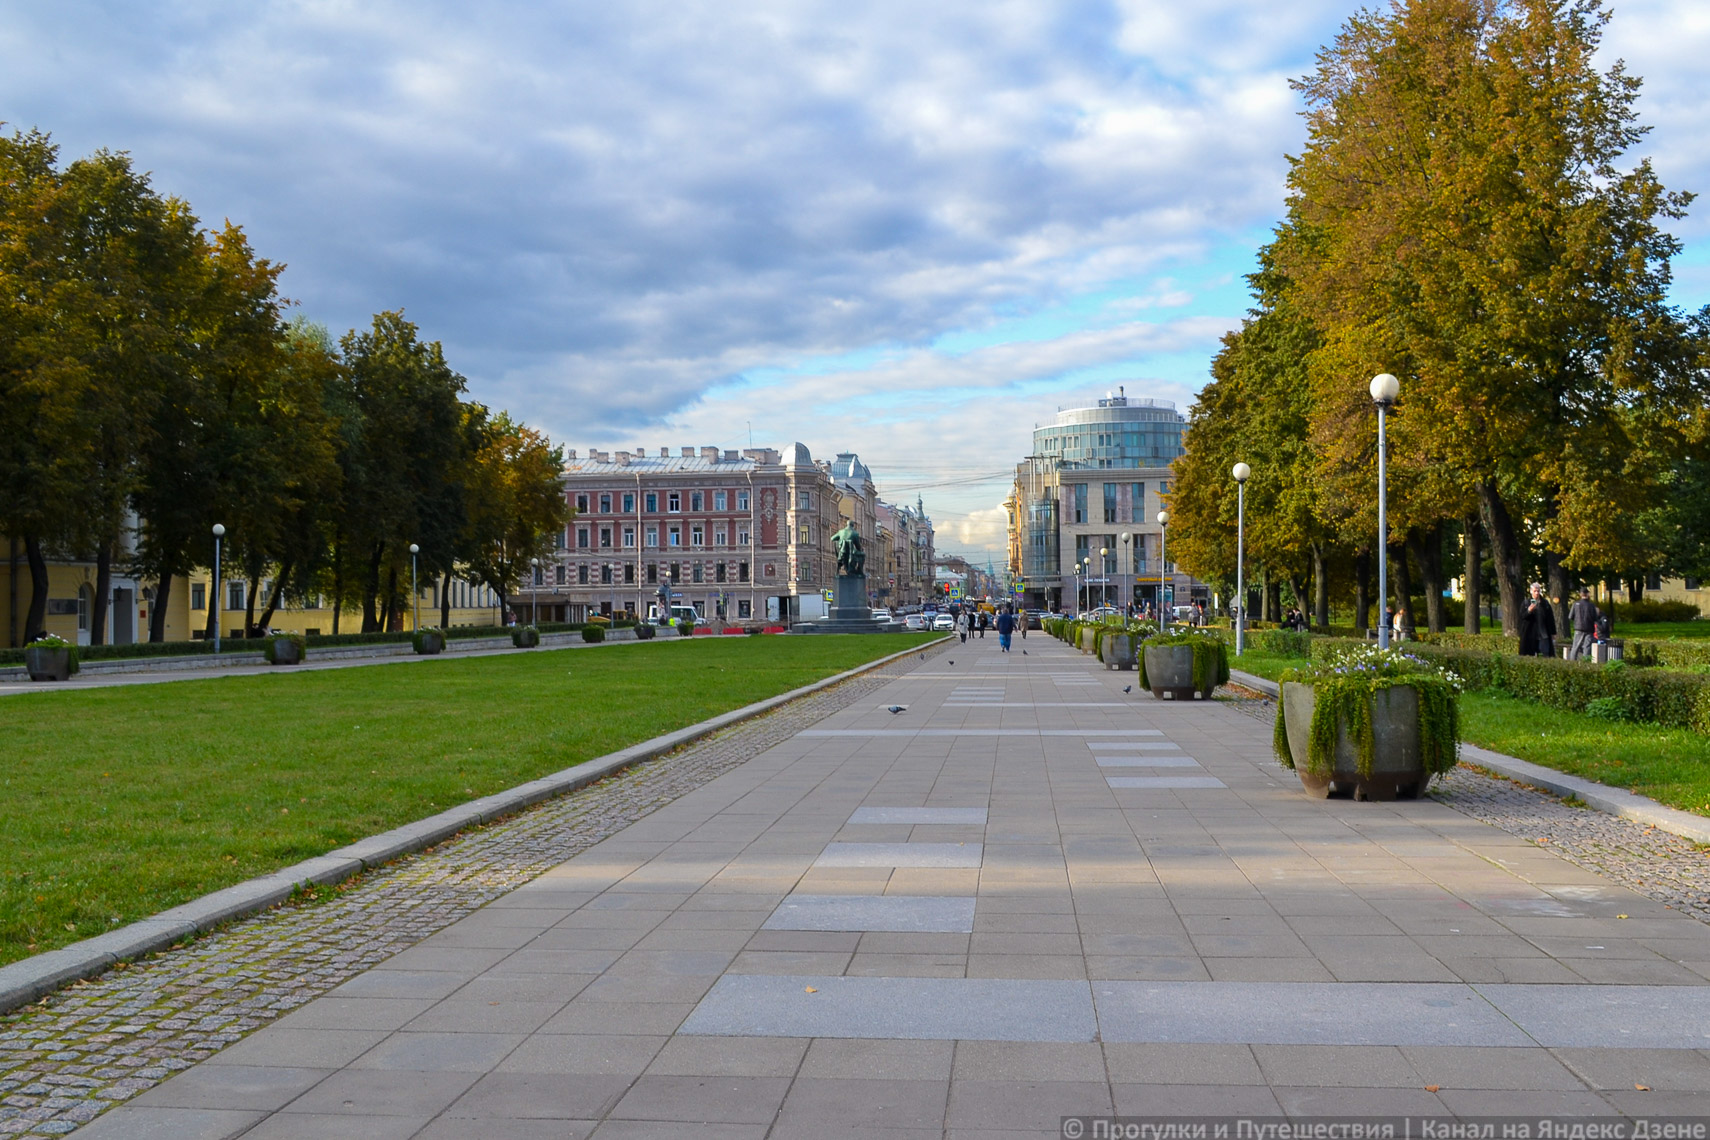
(1026, 896)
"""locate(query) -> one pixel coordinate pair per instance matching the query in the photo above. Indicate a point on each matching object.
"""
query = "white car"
(916, 621)
(881, 614)
(944, 621)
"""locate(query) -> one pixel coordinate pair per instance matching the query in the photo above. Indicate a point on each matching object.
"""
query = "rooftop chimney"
(710, 453)
(688, 453)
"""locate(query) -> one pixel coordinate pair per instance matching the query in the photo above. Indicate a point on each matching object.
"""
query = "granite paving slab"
(889, 913)
(900, 855)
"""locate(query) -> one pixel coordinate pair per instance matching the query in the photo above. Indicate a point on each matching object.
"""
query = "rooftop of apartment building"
(689, 460)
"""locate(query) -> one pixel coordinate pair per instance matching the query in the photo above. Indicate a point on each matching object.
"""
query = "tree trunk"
(249, 627)
(1362, 590)
(1320, 588)
(276, 594)
(1427, 548)
(157, 611)
(12, 625)
(1403, 585)
(1297, 585)
(1505, 554)
(1472, 571)
(371, 619)
(1273, 599)
(103, 592)
(337, 584)
(393, 612)
(1559, 590)
(445, 601)
(36, 620)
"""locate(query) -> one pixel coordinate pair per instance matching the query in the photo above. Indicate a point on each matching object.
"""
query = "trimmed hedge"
(1652, 609)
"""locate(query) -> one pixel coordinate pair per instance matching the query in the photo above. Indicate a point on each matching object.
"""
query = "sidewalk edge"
(30, 979)
(1611, 801)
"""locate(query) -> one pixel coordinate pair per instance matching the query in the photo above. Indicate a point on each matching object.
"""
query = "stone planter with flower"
(50, 658)
(1377, 723)
(1184, 666)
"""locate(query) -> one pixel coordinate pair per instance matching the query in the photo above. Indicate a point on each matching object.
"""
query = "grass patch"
(1264, 664)
(1670, 765)
(121, 802)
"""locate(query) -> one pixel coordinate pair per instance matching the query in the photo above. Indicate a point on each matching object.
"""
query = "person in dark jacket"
(1005, 626)
(1538, 626)
(1583, 617)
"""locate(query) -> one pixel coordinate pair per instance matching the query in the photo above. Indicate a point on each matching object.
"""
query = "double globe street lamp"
(1164, 614)
(1384, 389)
(214, 600)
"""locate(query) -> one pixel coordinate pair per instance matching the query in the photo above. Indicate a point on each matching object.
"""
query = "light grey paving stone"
(1303, 1013)
(439, 1052)
(232, 1086)
(1160, 760)
(540, 1096)
(1029, 1061)
(1165, 783)
(1622, 1017)
(300, 1048)
(333, 1126)
(959, 1008)
(1132, 1063)
(356, 1092)
(609, 1054)
(1010, 733)
(897, 913)
(973, 815)
(900, 855)
(130, 1122)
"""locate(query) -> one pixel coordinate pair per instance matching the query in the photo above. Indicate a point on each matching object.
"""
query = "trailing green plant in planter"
(1377, 722)
(525, 636)
(592, 633)
(685, 629)
(1166, 672)
(428, 641)
(50, 658)
(644, 632)
(284, 648)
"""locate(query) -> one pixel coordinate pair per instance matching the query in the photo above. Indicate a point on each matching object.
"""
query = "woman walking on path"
(1537, 626)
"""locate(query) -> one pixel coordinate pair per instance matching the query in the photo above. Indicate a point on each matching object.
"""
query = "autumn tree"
(516, 501)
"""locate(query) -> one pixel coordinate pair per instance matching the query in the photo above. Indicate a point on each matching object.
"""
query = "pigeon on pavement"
(1128, 688)
(895, 709)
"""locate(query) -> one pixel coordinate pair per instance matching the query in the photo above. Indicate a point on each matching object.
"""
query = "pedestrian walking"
(982, 620)
(1538, 625)
(1583, 617)
(964, 622)
(1005, 626)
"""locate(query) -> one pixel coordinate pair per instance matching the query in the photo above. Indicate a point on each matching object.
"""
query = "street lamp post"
(415, 594)
(1384, 388)
(1103, 576)
(1127, 594)
(534, 593)
(214, 601)
(1164, 613)
(1242, 473)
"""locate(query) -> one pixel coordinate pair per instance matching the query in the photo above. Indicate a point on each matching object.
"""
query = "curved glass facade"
(1119, 432)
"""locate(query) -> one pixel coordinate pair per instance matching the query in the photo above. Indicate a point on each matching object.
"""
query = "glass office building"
(1118, 432)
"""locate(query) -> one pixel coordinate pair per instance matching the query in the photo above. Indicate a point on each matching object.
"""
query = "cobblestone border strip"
(1611, 801)
(32, 978)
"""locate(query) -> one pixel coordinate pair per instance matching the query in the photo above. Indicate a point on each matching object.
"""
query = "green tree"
(516, 501)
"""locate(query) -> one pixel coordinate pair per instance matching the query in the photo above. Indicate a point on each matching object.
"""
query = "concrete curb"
(33, 978)
(1611, 801)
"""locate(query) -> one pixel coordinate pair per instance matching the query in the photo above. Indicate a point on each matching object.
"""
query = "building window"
(697, 572)
(674, 502)
(742, 500)
(234, 595)
(582, 574)
(560, 539)
(652, 535)
(1137, 502)
(718, 572)
(653, 573)
(742, 571)
(629, 573)
(719, 534)
(581, 538)
(606, 504)
(1110, 502)
(804, 500)
(674, 534)
(539, 576)
(742, 536)
(198, 596)
(695, 501)
(1653, 581)
(1690, 583)
(1080, 490)
(606, 575)
(559, 573)
(629, 538)
(581, 504)
(802, 534)
(652, 502)
(697, 534)
(629, 502)
(605, 538)
(676, 572)
(719, 499)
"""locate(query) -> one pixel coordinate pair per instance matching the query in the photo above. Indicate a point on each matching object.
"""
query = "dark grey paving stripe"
(981, 732)
(899, 855)
(966, 1009)
(1302, 1013)
(1165, 782)
(1610, 1017)
(973, 815)
(905, 914)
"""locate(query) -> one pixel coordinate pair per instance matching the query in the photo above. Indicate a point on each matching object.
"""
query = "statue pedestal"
(849, 610)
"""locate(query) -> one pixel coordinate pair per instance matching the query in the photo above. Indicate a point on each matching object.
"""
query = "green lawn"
(1670, 765)
(120, 802)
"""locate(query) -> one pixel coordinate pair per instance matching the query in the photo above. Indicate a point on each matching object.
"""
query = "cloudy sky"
(909, 230)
